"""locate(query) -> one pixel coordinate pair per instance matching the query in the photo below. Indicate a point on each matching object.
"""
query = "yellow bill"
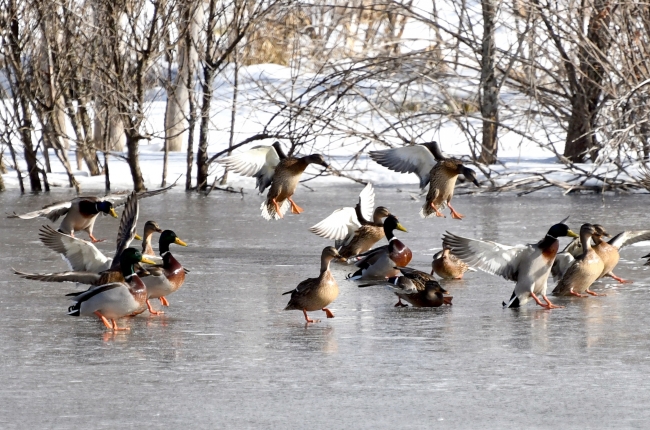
(146, 260)
(137, 237)
(177, 241)
(400, 227)
(571, 234)
(113, 213)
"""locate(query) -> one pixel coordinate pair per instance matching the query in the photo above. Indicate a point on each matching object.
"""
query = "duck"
(608, 251)
(87, 264)
(81, 212)
(586, 268)
(433, 168)
(163, 280)
(273, 169)
(150, 227)
(314, 294)
(416, 287)
(528, 265)
(357, 229)
(379, 263)
(448, 266)
(115, 299)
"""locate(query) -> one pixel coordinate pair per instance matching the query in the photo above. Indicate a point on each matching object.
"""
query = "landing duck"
(527, 265)
(433, 168)
(356, 229)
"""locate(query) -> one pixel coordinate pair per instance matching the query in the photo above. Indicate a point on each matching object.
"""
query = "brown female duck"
(433, 168)
(350, 227)
(379, 263)
(586, 268)
(150, 227)
(448, 266)
(416, 287)
(314, 294)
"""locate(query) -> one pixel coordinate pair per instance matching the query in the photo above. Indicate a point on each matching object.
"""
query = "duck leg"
(152, 311)
(399, 303)
(573, 293)
(588, 291)
(295, 208)
(436, 211)
(164, 301)
(621, 280)
(309, 320)
(104, 320)
(277, 208)
(116, 328)
(328, 313)
(454, 214)
(551, 305)
(94, 239)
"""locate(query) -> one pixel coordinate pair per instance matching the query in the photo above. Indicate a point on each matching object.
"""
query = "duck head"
(433, 290)
(316, 159)
(131, 257)
(469, 174)
(107, 207)
(560, 230)
(391, 223)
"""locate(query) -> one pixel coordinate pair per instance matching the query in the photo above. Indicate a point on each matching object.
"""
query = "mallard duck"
(313, 294)
(448, 266)
(271, 167)
(116, 299)
(81, 212)
(527, 265)
(162, 280)
(433, 168)
(89, 265)
(150, 227)
(586, 268)
(379, 263)
(350, 227)
(607, 251)
(416, 287)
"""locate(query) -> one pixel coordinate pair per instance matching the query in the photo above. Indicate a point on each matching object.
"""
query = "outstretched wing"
(81, 256)
(341, 224)
(628, 238)
(258, 162)
(126, 231)
(490, 257)
(416, 159)
(80, 277)
(51, 212)
(366, 205)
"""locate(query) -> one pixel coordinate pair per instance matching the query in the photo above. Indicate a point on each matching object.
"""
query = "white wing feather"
(258, 162)
(367, 201)
(341, 224)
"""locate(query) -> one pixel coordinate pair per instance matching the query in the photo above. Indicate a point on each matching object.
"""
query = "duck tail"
(269, 212)
(355, 276)
(513, 302)
(75, 310)
(426, 211)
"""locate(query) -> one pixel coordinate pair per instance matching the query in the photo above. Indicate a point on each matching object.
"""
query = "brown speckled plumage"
(448, 266)
(584, 271)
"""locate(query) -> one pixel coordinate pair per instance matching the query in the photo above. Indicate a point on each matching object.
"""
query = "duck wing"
(51, 212)
(416, 159)
(366, 205)
(627, 238)
(126, 230)
(416, 274)
(340, 225)
(120, 198)
(79, 277)
(258, 162)
(488, 256)
(80, 255)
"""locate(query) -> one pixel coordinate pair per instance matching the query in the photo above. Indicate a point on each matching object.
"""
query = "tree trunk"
(581, 140)
(489, 92)
(132, 144)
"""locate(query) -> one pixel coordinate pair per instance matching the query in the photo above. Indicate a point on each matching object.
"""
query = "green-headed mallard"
(87, 264)
(416, 287)
(81, 212)
(586, 268)
(316, 293)
(448, 266)
(116, 299)
(379, 263)
(357, 229)
(433, 168)
(271, 167)
(162, 280)
(527, 265)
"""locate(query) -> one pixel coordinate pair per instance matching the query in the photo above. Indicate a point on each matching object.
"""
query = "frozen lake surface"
(225, 355)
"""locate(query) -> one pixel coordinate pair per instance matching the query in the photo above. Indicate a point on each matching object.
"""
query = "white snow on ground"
(255, 113)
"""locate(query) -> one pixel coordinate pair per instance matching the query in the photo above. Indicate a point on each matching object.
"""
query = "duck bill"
(113, 213)
(177, 241)
(400, 227)
(137, 237)
(146, 260)
(571, 234)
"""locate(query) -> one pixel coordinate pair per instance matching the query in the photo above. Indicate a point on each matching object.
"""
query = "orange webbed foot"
(328, 313)
(164, 301)
(152, 311)
(309, 320)
(295, 209)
